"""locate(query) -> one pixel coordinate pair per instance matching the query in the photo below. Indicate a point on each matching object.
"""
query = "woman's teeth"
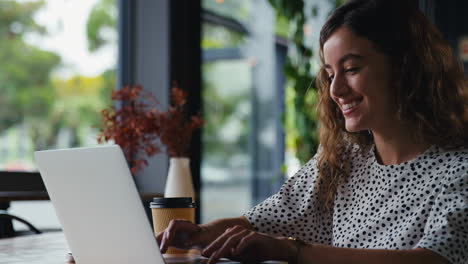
(351, 105)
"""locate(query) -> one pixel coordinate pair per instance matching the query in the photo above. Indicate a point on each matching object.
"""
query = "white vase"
(179, 179)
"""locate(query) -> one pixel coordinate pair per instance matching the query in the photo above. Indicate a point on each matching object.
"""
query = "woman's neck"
(395, 145)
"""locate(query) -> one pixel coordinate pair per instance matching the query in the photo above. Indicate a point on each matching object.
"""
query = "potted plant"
(142, 130)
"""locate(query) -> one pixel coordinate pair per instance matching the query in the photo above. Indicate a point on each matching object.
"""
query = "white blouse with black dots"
(421, 203)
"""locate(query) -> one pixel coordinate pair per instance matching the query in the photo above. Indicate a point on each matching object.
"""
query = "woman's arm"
(244, 244)
(319, 254)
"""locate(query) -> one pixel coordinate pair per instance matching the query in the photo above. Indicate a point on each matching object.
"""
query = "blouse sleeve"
(283, 213)
(446, 231)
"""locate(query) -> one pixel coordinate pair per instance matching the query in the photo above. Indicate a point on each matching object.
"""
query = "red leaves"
(140, 129)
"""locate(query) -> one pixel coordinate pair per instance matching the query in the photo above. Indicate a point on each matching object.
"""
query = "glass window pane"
(236, 9)
(59, 60)
(241, 102)
(216, 37)
(225, 169)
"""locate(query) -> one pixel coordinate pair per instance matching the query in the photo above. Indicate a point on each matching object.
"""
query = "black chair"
(18, 186)
(6, 224)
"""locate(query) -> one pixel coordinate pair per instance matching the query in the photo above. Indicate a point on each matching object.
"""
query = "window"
(239, 97)
(59, 60)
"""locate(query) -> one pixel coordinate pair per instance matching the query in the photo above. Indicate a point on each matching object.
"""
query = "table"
(50, 248)
(46, 248)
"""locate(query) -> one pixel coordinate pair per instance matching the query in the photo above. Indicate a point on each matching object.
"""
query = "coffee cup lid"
(172, 202)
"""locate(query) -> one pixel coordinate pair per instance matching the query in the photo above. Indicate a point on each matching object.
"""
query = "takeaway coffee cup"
(166, 209)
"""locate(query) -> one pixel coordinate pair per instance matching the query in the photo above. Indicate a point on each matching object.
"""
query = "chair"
(18, 186)
(6, 224)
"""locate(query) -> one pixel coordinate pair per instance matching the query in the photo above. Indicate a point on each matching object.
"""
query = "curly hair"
(430, 89)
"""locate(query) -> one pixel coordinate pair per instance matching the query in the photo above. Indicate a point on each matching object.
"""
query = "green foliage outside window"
(218, 37)
(300, 120)
(25, 82)
(102, 17)
(36, 99)
(235, 9)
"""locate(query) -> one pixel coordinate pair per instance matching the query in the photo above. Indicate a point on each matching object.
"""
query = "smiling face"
(360, 81)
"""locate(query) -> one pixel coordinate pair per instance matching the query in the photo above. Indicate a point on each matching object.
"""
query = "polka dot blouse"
(421, 203)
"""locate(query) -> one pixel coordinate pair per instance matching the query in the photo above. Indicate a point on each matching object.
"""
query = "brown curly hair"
(430, 87)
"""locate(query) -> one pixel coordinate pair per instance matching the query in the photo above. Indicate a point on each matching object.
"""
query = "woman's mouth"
(350, 107)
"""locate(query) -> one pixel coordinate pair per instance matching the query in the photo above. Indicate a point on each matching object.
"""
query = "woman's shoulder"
(453, 155)
(456, 155)
(460, 150)
(451, 162)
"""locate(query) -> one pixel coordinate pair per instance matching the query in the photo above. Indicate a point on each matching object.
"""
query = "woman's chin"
(353, 127)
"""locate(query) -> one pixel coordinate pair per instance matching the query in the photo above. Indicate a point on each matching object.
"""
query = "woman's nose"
(338, 86)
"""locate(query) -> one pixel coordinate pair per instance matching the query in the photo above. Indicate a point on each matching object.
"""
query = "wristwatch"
(298, 244)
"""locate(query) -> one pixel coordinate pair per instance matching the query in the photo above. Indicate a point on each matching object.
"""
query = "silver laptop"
(98, 206)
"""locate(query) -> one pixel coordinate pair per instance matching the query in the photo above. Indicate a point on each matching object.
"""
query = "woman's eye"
(352, 70)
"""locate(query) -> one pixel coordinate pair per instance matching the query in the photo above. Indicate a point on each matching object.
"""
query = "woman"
(390, 181)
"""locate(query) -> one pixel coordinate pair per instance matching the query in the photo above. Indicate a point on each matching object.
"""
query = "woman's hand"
(243, 244)
(181, 234)
(184, 234)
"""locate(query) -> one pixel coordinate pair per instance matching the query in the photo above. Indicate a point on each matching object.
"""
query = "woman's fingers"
(164, 242)
(237, 242)
(224, 244)
(159, 237)
(216, 244)
(244, 243)
(227, 247)
(240, 243)
(177, 234)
